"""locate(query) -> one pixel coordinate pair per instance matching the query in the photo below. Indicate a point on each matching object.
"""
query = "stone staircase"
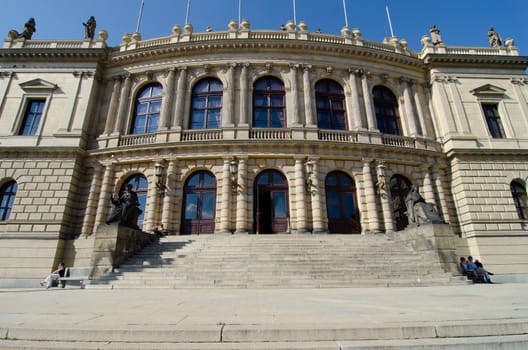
(276, 261)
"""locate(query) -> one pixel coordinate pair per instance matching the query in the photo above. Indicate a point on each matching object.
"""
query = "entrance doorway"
(199, 204)
(341, 204)
(271, 212)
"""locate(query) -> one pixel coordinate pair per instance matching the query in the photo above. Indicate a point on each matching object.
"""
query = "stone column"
(386, 200)
(317, 212)
(93, 197)
(242, 198)
(419, 109)
(243, 118)
(180, 98)
(427, 188)
(72, 104)
(439, 180)
(227, 110)
(112, 108)
(225, 199)
(369, 105)
(105, 195)
(518, 87)
(409, 112)
(355, 119)
(153, 202)
(166, 111)
(170, 194)
(308, 99)
(295, 121)
(123, 104)
(373, 224)
(445, 124)
(300, 205)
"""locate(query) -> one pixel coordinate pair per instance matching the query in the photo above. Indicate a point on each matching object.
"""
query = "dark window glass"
(341, 208)
(147, 109)
(386, 108)
(491, 112)
(7, 199)
(199, 203)
(32, 118)
(520, 199)
(269, 109)
(330, 102)
(206, 104)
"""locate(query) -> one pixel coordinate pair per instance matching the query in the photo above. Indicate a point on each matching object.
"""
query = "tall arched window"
(7, 198)
(269, 108)
(330, 102)
(520, 199)
(199, 203)
(147, 109)
(399, 187)
(386, 106)
(206, 110)
(140, 186)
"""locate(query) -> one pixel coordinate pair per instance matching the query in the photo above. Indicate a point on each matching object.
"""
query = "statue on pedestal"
(126, 208)
(419, 211)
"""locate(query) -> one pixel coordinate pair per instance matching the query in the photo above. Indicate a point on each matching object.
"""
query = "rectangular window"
(491, 112)
(32, 117)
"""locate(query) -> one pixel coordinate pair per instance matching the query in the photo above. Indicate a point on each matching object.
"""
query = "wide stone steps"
(278, 261)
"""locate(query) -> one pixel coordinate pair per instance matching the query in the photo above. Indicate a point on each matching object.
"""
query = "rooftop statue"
(494, 38)
(89, 28)
(29, 29)
(420, 212)
(435, 35)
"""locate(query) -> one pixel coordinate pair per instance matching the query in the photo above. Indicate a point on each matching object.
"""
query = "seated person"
(54, 276)
(482, 274)
(160, 231)
(471, 269)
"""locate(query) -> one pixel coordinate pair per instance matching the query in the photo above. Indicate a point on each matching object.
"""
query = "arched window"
(399, 187)
(206, 110)
(140, 186)
(341, 203)
(269, 108)
(7, 198)
(147, 109)
(386, 106)
(199, 204)
(330, 102)
(520, 199)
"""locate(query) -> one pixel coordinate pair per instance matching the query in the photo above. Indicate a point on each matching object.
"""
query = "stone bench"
(76, 275)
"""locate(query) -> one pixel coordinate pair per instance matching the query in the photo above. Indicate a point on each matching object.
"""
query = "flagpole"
(345, 11)
(390, 23)
(239, 11)
(187, 12)
(140, 14)
(294, 13)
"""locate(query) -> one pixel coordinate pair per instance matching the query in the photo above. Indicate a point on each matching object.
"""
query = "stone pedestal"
(113, 245)
(433, 241)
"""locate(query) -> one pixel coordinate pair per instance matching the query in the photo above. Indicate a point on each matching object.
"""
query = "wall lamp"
(309, 168)
(159, 171)
(233, 171)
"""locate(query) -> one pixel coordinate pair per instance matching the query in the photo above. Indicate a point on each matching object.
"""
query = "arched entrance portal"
(199, 204)
(271, 203)
(341, 204)
(399, 187)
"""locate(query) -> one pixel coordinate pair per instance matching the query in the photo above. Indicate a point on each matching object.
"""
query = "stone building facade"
(245, 132)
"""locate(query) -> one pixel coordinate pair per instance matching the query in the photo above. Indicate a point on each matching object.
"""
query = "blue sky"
(462, 22)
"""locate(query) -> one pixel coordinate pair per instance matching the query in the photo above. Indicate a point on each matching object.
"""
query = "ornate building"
(247, 131)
